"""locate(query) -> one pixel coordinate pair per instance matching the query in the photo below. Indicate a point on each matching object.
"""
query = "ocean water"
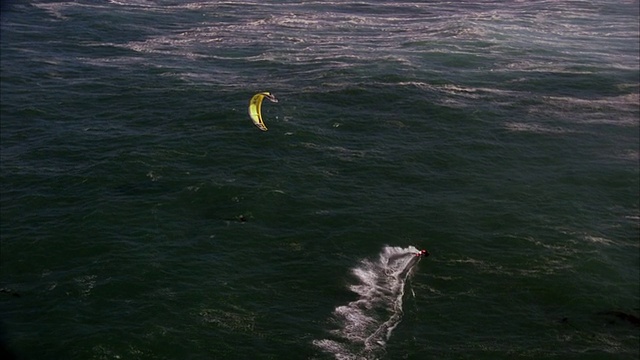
(143, 216)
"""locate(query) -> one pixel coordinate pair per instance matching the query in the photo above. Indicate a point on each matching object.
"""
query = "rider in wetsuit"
(422, 253)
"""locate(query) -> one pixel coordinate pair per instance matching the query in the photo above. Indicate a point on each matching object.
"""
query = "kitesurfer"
(422, 253)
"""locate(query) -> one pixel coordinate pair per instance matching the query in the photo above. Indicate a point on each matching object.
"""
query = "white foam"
(535, 128)
(366, 324)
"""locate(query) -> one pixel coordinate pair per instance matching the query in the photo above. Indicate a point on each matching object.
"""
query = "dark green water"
(501, 136)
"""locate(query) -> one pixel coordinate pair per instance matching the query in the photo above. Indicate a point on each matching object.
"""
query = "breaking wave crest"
(365, 325)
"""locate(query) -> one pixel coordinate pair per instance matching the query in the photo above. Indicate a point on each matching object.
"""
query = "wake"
(366, 324)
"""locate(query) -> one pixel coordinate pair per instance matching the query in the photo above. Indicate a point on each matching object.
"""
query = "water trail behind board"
(365, 325)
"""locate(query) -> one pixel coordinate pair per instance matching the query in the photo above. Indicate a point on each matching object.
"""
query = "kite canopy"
(255, 108)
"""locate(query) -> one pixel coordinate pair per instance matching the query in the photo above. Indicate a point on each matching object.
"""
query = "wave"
(366, 324)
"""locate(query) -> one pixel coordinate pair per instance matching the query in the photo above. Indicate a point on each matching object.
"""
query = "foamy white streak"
(366, 324)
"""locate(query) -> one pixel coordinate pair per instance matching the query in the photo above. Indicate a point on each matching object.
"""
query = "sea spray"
(365, 325)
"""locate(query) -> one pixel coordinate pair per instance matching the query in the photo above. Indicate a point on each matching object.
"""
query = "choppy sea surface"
(143, 216)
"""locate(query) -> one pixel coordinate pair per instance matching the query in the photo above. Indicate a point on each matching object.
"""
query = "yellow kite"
(255, 108)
